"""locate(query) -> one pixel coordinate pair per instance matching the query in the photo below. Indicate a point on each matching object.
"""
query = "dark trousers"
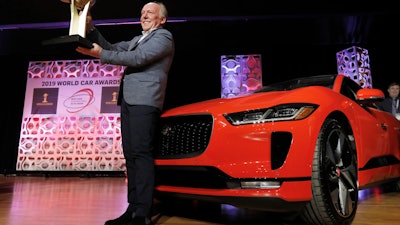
(138, 127)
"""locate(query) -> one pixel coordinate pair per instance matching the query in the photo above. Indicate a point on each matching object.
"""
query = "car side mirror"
(369, 95)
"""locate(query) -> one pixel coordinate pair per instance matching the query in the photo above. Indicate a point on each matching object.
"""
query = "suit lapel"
(134, 43)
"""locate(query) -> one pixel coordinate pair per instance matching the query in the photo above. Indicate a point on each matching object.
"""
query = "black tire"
(334, 178)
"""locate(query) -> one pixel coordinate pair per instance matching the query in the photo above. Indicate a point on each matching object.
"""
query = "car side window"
(349, 88)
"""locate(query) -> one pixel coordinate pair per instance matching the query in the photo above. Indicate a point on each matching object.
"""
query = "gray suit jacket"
(147, 65)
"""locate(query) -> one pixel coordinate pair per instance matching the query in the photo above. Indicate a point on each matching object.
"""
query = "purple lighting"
(56, 25)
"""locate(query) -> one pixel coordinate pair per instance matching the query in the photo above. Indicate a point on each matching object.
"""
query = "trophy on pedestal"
(77, 27)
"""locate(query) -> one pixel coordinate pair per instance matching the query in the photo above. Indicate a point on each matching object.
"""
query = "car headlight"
(284, 112)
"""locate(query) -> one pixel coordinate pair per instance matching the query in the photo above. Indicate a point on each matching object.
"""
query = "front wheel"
(334, 177)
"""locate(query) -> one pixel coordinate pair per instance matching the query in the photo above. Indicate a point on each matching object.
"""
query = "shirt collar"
(145, 33)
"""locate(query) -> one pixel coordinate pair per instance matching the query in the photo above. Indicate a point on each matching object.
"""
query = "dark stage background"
(294, 39)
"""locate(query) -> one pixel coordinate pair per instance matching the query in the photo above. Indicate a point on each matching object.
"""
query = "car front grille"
(183, 136)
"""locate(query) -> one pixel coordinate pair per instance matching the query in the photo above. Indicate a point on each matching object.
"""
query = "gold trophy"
(77, 27)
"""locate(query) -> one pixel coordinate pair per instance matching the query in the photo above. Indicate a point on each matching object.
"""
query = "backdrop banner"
(71, 119)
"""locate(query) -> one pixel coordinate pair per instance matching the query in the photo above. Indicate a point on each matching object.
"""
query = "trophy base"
(69, 41)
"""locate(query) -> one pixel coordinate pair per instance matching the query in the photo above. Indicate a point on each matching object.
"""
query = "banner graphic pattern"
(71, 119)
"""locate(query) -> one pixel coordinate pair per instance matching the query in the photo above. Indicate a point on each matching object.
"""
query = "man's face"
(150, 17)
(394, 91)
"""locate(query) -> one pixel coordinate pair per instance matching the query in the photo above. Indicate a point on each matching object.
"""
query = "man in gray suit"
(148, 58)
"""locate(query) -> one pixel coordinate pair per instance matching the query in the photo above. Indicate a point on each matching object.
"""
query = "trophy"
(77, 28)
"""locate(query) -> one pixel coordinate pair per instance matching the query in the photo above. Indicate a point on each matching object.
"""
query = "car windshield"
(322, 80)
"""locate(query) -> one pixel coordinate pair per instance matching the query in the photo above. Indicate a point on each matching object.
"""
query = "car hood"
(313, 94)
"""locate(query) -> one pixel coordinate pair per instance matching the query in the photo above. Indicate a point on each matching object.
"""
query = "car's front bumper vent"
(193, 176)
(280, 145)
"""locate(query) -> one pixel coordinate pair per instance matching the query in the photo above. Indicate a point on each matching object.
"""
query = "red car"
(304, 146)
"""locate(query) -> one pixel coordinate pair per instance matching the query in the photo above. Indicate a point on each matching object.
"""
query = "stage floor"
(88, 200)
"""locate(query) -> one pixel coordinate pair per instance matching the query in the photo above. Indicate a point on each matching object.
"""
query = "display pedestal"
(240, 75)
(354, 62)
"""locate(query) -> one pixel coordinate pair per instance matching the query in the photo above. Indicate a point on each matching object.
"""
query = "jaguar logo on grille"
(167, 130)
